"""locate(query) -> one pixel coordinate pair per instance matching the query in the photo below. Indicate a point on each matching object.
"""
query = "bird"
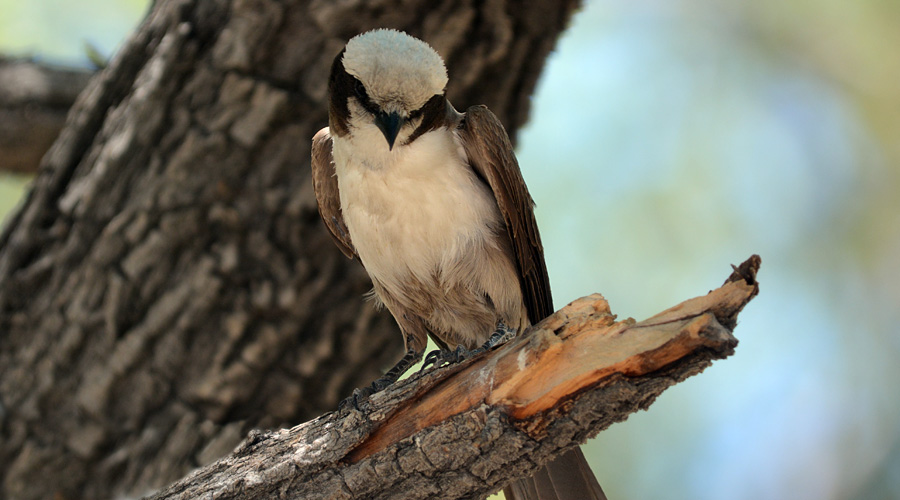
(433, 204)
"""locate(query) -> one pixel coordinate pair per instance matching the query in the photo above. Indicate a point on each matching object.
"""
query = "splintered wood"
(576, 349)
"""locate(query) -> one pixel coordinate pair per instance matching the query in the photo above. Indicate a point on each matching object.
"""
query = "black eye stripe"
(433, 114)
(369, 106)
(362, 96)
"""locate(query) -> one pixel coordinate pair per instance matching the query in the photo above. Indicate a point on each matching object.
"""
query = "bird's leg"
(410, 358)
(440, 358)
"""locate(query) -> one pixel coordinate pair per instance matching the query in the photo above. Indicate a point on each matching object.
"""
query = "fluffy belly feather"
(416, 210)
(427, 231)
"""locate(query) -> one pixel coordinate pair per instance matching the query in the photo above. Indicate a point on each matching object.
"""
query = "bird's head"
(387, 79)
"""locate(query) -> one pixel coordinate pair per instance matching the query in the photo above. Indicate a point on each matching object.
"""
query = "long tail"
(569, 477)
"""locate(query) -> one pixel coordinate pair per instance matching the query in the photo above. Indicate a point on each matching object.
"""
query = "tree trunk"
(167, 285)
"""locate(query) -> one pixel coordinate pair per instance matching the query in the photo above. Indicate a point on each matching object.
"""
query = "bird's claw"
(440, 358)
(362, 393)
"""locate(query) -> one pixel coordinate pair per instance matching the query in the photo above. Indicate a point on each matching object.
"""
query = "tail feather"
(569, 477)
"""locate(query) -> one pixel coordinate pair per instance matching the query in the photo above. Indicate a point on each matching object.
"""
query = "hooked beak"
(389, 124)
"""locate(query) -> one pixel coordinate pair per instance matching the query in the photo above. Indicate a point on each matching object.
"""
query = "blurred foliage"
(57, 30)
(669, 139)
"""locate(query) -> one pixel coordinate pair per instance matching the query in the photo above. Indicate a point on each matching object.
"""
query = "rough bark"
(34, 100)
(167, 285)
(468, 430)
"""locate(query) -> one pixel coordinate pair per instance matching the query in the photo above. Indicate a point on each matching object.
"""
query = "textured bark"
(466, 431)
(167, 285)
(34, 100)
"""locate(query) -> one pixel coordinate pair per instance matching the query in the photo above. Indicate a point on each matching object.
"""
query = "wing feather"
(491, 155)
(328, 196)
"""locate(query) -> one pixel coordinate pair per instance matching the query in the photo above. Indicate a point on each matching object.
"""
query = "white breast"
(414, 210)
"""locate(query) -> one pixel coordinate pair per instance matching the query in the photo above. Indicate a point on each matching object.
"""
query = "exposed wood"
(167, 285)
(467, 430)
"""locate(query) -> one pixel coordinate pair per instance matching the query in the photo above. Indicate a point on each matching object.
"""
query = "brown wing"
(491, 155)
(328, 196)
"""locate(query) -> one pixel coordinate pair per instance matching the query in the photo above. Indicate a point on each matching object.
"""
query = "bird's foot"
(441, 358)
(501, 335)
(362, 393)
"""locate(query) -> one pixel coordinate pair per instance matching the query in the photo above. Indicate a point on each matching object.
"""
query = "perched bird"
(432, 203)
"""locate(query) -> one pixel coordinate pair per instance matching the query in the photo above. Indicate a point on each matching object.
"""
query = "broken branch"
(469, 429)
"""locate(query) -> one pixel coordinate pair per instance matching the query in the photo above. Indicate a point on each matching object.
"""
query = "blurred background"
(669, 139)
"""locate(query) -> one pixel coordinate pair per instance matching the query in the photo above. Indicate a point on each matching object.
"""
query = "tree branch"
(469, 429)
(34, 101)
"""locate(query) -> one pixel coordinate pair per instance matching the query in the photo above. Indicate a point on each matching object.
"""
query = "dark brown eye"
(359, 89)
